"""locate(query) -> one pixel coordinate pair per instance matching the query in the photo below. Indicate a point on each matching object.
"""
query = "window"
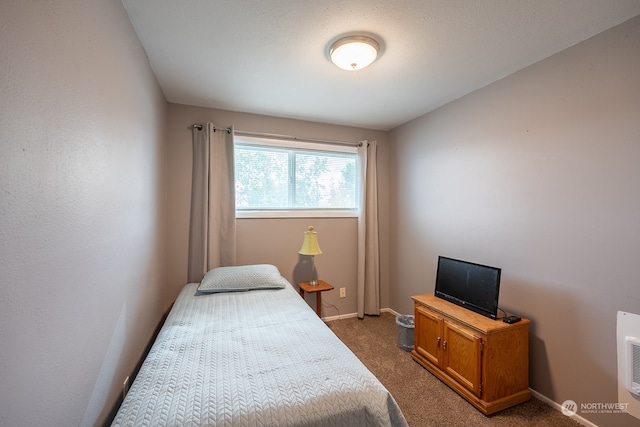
(276, 176)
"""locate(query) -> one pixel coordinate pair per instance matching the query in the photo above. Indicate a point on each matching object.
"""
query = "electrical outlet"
(125, 387)
(343, 292)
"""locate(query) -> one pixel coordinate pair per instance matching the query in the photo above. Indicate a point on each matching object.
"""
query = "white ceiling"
(270, 56)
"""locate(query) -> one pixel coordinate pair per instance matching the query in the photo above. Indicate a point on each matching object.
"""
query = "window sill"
(297, 214)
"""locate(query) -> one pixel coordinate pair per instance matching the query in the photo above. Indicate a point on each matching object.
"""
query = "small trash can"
(405, 325)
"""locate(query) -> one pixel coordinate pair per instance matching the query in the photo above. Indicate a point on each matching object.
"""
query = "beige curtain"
(212, 229)
(368, 285)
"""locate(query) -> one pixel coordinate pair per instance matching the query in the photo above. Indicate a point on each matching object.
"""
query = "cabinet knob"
(438, 340)
(444, 345)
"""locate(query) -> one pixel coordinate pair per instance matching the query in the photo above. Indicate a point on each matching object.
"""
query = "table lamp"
(310, 247)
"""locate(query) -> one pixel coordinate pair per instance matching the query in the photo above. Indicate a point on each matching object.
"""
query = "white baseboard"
(389, 310)
(558, 407)
(350, 315)
(340, 316)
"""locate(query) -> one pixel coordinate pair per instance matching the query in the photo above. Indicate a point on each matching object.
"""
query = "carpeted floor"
(424, 399)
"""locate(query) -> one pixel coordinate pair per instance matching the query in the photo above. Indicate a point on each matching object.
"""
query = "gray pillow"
(242, 278)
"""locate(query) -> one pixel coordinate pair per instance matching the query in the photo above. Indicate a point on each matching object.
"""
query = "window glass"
(272, 177)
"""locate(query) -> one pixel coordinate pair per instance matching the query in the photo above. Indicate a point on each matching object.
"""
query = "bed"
(243, 349)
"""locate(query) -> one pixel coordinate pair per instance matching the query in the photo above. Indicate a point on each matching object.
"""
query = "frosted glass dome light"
(354, 52)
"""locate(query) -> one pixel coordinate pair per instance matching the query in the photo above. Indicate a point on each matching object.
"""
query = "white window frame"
(298, 213)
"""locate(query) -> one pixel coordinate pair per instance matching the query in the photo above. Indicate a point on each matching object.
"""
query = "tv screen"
(469, 285)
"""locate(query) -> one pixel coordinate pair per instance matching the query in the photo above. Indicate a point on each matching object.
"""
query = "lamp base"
(314, 280)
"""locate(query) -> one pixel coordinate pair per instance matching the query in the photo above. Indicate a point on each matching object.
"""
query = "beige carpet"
(424, 399)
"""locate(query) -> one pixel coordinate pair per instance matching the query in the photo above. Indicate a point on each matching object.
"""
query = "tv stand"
(485, 361)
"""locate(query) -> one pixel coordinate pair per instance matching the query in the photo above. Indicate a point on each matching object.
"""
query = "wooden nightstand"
(319, 288)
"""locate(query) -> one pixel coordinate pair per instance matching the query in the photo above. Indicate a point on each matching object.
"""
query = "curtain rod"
(283, 137)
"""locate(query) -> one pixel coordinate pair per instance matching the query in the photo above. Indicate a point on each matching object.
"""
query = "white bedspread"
(257, 358)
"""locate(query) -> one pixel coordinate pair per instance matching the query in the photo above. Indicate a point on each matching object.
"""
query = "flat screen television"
(473, 286)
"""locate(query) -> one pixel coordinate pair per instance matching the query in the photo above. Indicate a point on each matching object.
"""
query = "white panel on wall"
(628, 332)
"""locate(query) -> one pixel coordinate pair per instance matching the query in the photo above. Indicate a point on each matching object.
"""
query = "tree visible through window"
(284, 178)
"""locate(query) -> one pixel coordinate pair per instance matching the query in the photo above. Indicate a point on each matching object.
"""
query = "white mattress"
(257, 358)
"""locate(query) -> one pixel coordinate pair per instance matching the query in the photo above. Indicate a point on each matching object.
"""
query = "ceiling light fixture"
(354, 52)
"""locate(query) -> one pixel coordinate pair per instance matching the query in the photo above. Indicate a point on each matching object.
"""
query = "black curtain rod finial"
(199, 127)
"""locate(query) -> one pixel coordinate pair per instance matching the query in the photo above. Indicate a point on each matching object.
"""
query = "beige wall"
(537, 174)
(81, 166)
(275, 241)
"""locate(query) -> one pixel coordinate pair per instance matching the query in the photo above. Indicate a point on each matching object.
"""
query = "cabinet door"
(461, 356)
(428, 335)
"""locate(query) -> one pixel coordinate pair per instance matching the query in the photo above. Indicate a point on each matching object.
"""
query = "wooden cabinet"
(485, 361)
